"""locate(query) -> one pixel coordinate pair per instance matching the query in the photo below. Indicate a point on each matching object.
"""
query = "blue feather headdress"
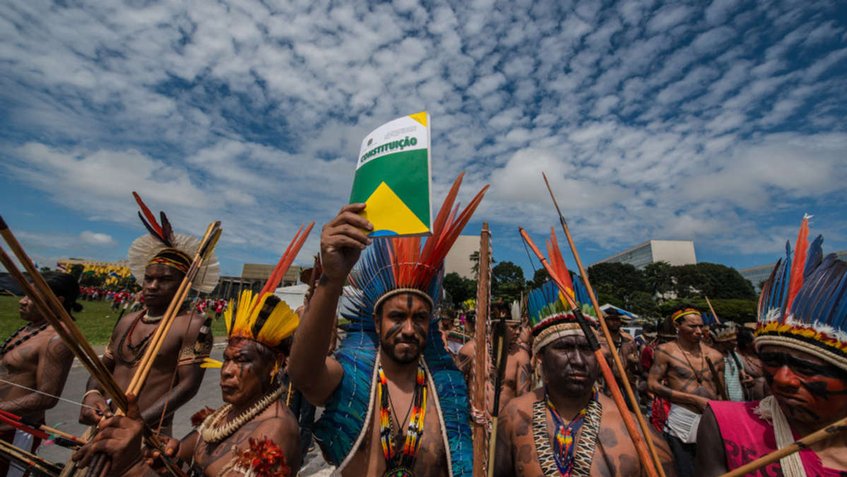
(400, 265)
(549, 316)
(388, 267)
(803, 305)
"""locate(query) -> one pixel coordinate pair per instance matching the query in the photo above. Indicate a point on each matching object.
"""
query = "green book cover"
(393, 177)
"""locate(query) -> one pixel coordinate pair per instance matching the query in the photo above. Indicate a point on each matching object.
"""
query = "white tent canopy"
(294, 296)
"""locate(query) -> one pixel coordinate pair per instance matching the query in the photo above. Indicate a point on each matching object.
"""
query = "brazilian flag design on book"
(393, 177)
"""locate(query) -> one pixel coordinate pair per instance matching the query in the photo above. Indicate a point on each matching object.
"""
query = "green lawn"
(95, 320)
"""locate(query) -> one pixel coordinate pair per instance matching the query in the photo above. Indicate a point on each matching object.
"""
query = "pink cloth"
(747, 437)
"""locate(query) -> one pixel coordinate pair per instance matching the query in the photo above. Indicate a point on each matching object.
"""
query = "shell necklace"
(214, 430)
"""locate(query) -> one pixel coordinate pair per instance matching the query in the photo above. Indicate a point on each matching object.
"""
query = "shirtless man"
(568, 404)
(375, 399)
(160, 264)
(248, 383)
(517, 378)
(626, 347)
(800, 338)
(681, 374)
(34, 356)
(659, 406)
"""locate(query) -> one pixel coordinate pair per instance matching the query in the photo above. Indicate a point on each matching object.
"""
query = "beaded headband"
(687, 311)
(549, 317)
(171, 257)
(162, 246)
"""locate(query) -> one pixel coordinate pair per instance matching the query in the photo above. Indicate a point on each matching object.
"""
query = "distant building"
(458, 259)
(262, 271)
(760, 273)
(756, 275)
(253, 276)
(674, 252)
(67, 263)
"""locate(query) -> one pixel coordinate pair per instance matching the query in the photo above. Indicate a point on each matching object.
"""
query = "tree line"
(653, 292)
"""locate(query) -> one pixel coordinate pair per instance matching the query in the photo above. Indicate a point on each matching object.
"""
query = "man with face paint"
(566, 427)
(159, 261)
(801, 339)
(254, 432)
(395, 404)
(682, 373)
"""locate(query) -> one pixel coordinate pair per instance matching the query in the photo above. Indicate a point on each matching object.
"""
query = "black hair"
(613, 313)
(64, 285)
(744, 338)
(501, 307)
(666, 327)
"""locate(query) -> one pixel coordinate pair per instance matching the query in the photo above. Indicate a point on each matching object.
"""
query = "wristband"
(91, 391)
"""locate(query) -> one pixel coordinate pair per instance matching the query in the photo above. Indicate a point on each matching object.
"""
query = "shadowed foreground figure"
(395, 404)
(35, 356)
(567, 427)
(159, 262)
(802, 341)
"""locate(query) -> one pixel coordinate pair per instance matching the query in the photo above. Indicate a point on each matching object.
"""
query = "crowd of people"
(392, 384)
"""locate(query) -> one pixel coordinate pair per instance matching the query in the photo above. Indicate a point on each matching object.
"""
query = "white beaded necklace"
(213, 430)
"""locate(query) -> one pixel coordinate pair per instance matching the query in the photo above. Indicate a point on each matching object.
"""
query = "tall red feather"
(286, 259)
(151, 219)
(798, 265)
(415, 267)
(557, 262)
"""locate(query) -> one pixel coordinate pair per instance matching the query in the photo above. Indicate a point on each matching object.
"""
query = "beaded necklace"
(401, 465)
(13, 341)
(563, 439)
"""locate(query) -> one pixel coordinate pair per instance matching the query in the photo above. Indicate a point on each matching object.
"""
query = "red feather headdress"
(394, 265)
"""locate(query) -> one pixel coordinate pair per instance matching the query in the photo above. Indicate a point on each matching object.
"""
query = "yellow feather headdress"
(264, 317)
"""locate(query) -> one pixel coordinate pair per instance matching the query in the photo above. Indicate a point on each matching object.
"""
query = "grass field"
(96, 320)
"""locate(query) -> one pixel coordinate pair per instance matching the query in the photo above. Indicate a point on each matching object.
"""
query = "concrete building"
(458, 259)
(253, 276)
(760, 273)
(262, 271)
(674, 252)
(756, 275)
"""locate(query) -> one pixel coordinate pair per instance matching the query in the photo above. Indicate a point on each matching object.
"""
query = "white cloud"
(252, 112)
(96, 238)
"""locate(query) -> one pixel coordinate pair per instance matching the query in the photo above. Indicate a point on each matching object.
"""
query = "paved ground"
(65, 415)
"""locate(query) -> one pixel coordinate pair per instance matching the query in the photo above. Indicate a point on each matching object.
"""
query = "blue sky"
(720, 122)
